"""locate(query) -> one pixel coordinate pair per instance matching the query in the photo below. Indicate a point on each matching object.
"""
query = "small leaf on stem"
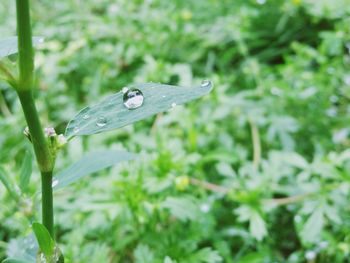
(8, 46)
(45, 241)
(90, 163)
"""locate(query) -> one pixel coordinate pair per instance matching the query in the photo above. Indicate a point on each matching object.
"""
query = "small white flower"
(50, 132)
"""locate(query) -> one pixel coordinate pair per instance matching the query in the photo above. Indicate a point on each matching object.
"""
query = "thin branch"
(223, 190)
(256, 144)
(209, 186)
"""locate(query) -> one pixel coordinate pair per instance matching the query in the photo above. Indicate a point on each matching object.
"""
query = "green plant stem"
(47, 202)
(24, 90)
(25, 45)
(43, 156)
(256, 144)
(38, 138)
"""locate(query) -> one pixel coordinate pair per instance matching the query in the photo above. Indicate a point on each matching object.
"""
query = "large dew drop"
(133, 99)
(101, 121)
(56, 257)
(205, 83)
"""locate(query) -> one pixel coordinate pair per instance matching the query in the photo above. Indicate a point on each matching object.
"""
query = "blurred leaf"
(8, 184)
(156, 185)
(182, 208)
(311, 230)
(333, 214)
(26, 171)
(143, 254)
(207, 255)
(8, 46)
(24, 248)
(157, 98)
(254, 257)
(168, 260)
(13, 260)
(90, 163)
(225, 169)
(257, 226)
(296, 160)
(46, 243)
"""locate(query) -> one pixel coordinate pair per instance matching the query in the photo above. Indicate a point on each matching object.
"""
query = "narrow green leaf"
(8, 184)
(91, 163)
(157, 98)
(15, 260)
(8, 46)
(45, 241)
(206, 255)
(26, 171)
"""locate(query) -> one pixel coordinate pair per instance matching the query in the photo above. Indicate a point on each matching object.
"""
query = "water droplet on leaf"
(205, 83)
(86, 116)
(50, 259)
(76, 129)
(173, 105)
(101, 121)
(133, 99)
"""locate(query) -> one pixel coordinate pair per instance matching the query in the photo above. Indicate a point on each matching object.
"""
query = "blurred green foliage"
(258, 171)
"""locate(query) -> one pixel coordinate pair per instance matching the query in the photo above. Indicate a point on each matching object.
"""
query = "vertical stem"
(25, 45)
(256, 144)
(24, 90)
(47, 201)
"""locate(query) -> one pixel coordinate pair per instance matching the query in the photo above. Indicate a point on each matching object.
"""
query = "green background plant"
(197, 193)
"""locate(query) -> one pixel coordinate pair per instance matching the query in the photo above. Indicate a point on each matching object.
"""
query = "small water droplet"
(54, 182)
(205, 83)
(163, 96)
(86, 116)
(125, 90)
(173, 105)
(101, 121)
(49, 259)
(76, 129)
(133, 99)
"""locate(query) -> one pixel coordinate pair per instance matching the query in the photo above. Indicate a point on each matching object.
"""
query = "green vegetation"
(258, 170)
